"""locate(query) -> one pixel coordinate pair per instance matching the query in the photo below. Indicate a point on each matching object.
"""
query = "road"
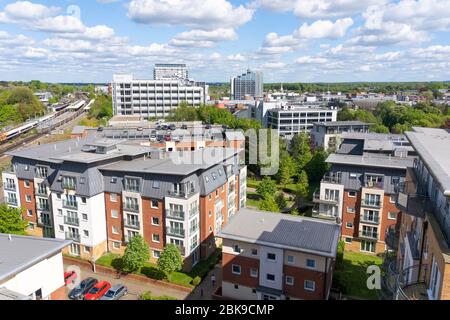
(135, 288)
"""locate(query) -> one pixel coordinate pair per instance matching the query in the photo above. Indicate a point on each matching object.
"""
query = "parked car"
(164, 127)
(172, 127)
(184, 127)
(69, 277)
(82, 288)
(208, 126)
(158, 127)
(115, 292)
(100, 129)
(98, 290)
(167, 137)
(153, 137)
(140, 129)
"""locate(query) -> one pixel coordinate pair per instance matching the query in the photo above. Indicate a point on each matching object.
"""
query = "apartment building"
(249, 84)
(327, 135)
(272, 256)
(421, 270)
(31, 268)
(100, 193)
(359, 191)
(289, 120)
(154, 98)
(170, 71)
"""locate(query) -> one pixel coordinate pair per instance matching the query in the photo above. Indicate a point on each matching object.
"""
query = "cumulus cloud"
(200, 14)
(324, 29)
(203, 38)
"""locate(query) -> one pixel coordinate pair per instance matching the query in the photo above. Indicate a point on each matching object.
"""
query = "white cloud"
(310, 60)
(203, 38)
(324, 29)
(26, 10)
(236, 57)
(201, 14)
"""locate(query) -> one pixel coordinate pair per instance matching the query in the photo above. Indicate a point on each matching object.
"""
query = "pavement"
(205, 289)
(135, 288)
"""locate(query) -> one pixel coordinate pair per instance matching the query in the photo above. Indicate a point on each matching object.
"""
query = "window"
(86, 233)
(254, 272)
(367, 246)
(113, 197)
(155, 204)
(132, 184)
(236, 269)
(352, 194)
(58, 195)
(30, 213)
(392, 198)
(26, 183)
(290, 280)
(310, 285)
(114, 213)
(349, 225)
(60, 212)
(348, 240)
(236, 249)
(155, 221)
(155, 237)
(353, 176)
(27, 168)
(310, 263)
(156, 254)
(271, 256)
(209, 197)
(87, 249)
(270, 277)
(156, 184)
(290, 259)
(351, 210)
(83, 200)
(84, 216)
(210, 213)
(392, 215)
(210, 229)
(115, 230)
(116, 244)
(254, 252)
(31, 225)
(61, 228)
(69, 182)
(236, 287)
(113, 180)
(82, 180)
(28, 198)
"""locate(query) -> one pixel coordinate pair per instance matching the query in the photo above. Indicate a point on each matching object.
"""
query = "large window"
(367, 246)
(132, 184)
(69, 182)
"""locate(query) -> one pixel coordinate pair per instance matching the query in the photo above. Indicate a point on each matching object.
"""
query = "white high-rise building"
(154, 98)
(170, 71)
(247, 84)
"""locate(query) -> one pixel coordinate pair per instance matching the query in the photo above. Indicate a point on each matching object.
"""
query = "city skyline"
(289, 40)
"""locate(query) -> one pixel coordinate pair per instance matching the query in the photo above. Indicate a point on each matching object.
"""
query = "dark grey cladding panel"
(21, 163)
(206, 187)
(358, 182)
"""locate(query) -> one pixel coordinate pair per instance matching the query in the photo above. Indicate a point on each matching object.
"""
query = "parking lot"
(135, 288)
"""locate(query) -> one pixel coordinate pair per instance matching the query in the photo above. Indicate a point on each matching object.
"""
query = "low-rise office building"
(272, 256)
(31, 268)
(327, 135)
(100, 193)
(360, 193)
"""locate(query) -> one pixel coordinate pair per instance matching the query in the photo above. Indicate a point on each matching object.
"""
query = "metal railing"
(374, 185)
(369, 219)
(131, 207)
(326, 198)
(70, 204)
(41, 192)
(177, 232)
(193, 212)
(411, 283)
(332, 177)
(71, 220)
(371, 203)
(73, 236)
(174, 214)
(368, 234)
(131, 224)
(44, 221)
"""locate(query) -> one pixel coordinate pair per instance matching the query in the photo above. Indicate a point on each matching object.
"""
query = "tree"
(11, 220)
(317, 167)
(280, 200)
(268, 203)
(267, 187)
(302, 188)
(286, 171)
(170, 260)
(301, 150)
(136, 254)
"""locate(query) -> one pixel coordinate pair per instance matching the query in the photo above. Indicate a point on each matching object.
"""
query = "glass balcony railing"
(370, 219)
(74, 221)
(70, 204)
(371, 203)
(368, 234)
(177, 232)
(174, 214)
(193, 212)
(73, 236)
(133, 224)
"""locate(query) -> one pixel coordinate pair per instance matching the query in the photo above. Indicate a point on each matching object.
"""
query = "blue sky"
(289, 40)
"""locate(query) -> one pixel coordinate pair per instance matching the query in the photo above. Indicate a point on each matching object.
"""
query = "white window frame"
(27, 198)
(151, 204)
(155, 224)
(114, 232)
(28, 212)
(113, 197)
(234, 272)
(154, 255)
(313, 285)
(309, 267)
(289, 283)
(116, 243)
(389, 215)
(115, 217)
(293, 259)
(350, 196)
(153, 238)
(254, 274)
(347, 227)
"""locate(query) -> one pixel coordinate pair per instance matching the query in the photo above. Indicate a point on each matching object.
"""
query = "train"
(32, 124)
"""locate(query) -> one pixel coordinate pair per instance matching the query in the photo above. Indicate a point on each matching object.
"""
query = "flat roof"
(285, 231)
(433, 147)
(191, 160)
(22, 252)
(342, 123)
(371, 160)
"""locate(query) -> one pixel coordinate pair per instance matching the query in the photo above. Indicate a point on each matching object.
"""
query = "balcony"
(332, 177)
(73, 221)
(371, 203)
(370, 219)
(193, 212)
(176, 232)
(178, 194)
(10, 186)
(174, 214)
(73, 236)
(132, 224)
(194, 229)
(374, 184)
(131, 207)
(70, 204)
(42, 192)
(410, 283)
(324, 199)
(44, 220)
(413, 204)
(69, 186)
(372, 235)
(11, 201)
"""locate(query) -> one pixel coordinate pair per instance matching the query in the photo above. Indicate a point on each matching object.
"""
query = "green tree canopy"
(11, 220)
(136, 254)
(267, 187)
(170, 260)
(301, 150)
(268, 203)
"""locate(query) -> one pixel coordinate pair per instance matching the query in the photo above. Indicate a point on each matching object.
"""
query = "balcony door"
(433, 290)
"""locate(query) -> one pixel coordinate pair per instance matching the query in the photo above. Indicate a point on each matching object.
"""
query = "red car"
(69, 277)
(97, 291)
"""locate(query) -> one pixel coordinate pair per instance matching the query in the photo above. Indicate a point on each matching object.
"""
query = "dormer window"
(214, 175)
(132, 184)
(82, 180)
(69, 183)
(113, 180)
(41, 172)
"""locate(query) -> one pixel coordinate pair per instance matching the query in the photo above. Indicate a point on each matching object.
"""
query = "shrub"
(196, 281)
(340, 254)
(148, 296)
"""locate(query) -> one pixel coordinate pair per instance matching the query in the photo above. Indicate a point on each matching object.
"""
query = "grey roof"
(79, 129)
(284, 231)
(22, 252)
(433, 146)
(342, 123)
(234, 135)
(378, 141)
(371, 160)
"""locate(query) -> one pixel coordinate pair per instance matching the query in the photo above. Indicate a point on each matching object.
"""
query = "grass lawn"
(253, 199)
(351, 277)
(150, 270)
